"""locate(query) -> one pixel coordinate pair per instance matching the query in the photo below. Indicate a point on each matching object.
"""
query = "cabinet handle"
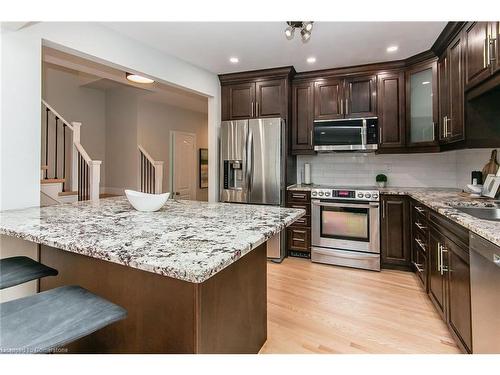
(443, 268)
(439, 258)
(419, 209)
(492, 46)
(421, 244)
(252, 109)
(419, 267)
(311, 140)
(256, 109)
(448, 132)
(444, 126)
(299, 231)
(379, 135)
(300, 196)
(298, 239)
(383, 210)
(341, 106)
(346, 106)
(420, 226)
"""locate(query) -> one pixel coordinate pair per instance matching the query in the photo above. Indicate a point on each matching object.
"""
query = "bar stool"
(46, 321)
(20, 269)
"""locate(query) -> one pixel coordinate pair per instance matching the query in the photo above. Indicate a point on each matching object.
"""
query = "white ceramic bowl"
(146, 202)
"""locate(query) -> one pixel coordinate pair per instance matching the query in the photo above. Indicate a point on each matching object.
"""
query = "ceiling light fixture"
(311, 60)
(392, 48)
(138, 79)
(234, 60)
(304, 26)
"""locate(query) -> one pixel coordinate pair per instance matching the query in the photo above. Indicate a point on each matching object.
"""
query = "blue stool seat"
(18, 270)
(51, 319)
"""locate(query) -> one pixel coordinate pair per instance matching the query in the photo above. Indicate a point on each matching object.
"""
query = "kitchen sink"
(483, 213)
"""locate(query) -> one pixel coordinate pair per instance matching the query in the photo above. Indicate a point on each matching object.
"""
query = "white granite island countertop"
(186, 240)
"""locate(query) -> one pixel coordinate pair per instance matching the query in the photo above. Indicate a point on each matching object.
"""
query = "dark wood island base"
(225, 314)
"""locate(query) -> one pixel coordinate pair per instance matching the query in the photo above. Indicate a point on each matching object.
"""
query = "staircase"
(68, 174)
(151, 173)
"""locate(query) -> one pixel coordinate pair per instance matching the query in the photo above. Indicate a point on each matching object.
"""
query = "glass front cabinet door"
(422, 105)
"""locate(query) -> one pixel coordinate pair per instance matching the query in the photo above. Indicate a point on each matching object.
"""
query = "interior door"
(476, 53)
(264, 161)
(328, 101)
(183, 174)
(270, 98)
(360, 95)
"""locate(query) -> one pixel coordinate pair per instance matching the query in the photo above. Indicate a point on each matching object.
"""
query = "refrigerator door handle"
(250, 161)
(248, 156)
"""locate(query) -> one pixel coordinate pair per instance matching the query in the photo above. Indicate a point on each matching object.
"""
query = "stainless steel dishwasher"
(485, 295)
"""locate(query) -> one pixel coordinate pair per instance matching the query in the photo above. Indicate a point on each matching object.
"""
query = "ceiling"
(98, 76)
(263, 44)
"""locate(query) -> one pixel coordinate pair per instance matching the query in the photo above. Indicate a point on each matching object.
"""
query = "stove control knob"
(368, 195)
(375, 196)
(360, 195)
(320, 193)
(314, 193)
(327, 194)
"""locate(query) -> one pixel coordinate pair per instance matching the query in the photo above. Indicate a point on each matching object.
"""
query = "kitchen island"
(192, 276)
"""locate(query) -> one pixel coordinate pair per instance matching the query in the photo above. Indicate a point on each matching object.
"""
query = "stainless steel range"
(346, 227)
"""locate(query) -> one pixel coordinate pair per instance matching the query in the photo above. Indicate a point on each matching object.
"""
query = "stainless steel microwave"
(346, 135)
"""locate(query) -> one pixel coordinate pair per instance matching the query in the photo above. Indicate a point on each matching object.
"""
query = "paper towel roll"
(307, 173)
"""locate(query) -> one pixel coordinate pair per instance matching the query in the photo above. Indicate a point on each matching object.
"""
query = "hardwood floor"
(314, 308)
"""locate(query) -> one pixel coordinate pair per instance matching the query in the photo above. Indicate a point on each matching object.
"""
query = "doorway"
(183, 165)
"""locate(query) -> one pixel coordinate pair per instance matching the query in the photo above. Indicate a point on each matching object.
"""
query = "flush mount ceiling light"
(138, 79)
(392, 48)
(311, 60)
(234, 60)
(304, 26)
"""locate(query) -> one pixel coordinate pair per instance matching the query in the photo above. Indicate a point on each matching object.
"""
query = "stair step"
(65, 193)
(44, 167)
(52, 180)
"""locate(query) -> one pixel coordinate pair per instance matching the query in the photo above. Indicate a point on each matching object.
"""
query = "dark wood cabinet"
(298, 235)
(328, 99)
(360, 96)
(270, 98)
(395, 232)
(238, 101)
(459, 297)
(436, 277)
(391, 106)
(302, 118)
(419, 242)
(260, 93)
(422, 106)
(477, 50)
(451, 93)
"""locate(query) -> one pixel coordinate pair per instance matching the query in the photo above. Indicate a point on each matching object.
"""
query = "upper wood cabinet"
(238, 101)
(360, 96)
(451, 93)
(422, 105)
(350, 97)
(481, 52)
(256, 94)
(328, 99)
(302, 118)
(391, 109)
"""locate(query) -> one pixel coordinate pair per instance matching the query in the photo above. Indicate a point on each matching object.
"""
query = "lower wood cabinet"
(395, 232)
(298, 235)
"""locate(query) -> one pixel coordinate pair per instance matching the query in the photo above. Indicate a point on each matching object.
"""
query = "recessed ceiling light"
(311, 60)
(392, 48)
(138, 79)
(234, 60)
(425, 83)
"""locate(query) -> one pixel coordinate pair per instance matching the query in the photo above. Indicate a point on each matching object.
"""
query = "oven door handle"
(347, 205)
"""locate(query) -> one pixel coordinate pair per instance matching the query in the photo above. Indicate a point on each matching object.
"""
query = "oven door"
(346, 226)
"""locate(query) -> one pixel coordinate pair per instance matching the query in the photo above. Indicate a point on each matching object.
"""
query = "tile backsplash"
(445, 169)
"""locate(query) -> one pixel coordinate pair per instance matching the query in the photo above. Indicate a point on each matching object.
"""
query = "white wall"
(445, 169)
(156, 121)
(61, 89)
(121, 141)
(20, 95)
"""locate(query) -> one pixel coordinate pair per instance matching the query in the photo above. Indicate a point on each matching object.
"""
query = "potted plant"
(381, 180)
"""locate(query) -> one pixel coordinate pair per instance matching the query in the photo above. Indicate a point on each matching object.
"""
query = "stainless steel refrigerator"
(252, 169)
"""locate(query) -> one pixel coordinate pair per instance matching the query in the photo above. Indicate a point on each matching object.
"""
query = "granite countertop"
(186, 240)
(442, 201)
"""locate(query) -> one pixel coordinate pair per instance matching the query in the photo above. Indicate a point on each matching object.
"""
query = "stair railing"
(151, 173)
(85, 172)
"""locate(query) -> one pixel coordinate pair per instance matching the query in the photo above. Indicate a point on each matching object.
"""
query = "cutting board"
(492, 166)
